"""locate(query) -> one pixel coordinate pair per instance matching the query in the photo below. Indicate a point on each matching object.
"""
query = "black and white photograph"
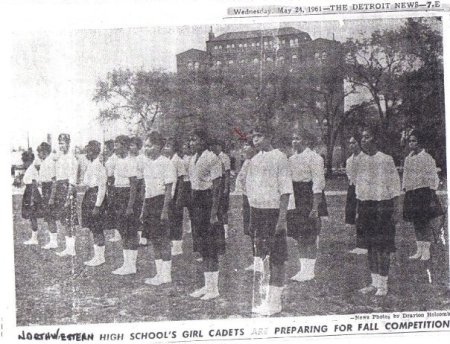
(217, 171)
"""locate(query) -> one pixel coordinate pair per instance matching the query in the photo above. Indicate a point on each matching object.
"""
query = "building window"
(266, 43)
(216, 47)
(240, 45)
(296, 41)
(255, 60)
(281, 58)
(228, 46)
(196, 65)
(232, 45)
(220, 47)
(291, 42)
(283, 41)
(245, 45)
(242, 61)
(269, 59)
(253, 44)
(218, 63)
(294, 57)
(190, 65)
(230, 62)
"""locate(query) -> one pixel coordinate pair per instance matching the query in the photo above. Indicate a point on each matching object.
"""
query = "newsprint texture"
(208, 171)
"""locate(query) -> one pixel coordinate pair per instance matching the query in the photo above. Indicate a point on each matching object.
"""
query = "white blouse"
(157, 174)
(225, 161)
(420, 171)
(376, 178)
(30, 174)
(139, 161)
(47, 171)
(349, 168)
(124, 169)
(110, 165)
(205, 170)
(67, 168)
(268, 178)
(240, 188)
(95, 176)
(186, 161)
(308, 166)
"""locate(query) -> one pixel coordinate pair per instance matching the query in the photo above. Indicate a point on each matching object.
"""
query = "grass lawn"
(52, 290)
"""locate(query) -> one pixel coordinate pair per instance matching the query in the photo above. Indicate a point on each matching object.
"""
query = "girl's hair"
(307, 137)
(137, 141)
(418, 135)
(27, 156)
(202, 135)
(156, 138)
(95, 146)
(174, 143)
(109, 144)
(45, 148)
(124, 140)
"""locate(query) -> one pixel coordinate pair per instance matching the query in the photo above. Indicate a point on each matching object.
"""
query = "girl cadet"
(64, 195)
(187, 190)
(125, 172)
(249, 152)
(350, 205)
(171, 150)
(205, 172)
(31, 200)
(135, 147)
(420, 180)
(47, 177)
(268, 187)
(308, 176)
(110, 164)
(93, 205)
(377, 186)
(160, 176)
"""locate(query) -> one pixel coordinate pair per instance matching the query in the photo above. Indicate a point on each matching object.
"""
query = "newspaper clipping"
(213, 171)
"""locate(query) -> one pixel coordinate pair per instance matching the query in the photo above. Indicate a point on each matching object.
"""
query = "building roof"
(198, 51)
(258, 33)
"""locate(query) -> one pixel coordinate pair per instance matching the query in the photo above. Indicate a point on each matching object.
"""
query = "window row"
(267, 43)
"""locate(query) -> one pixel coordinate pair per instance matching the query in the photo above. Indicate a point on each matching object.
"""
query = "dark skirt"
(153, 227)
(29, 211)
(224, 202)
(139, 203)
(125, 224)
(110, 216)
(350, 205)
(186, 195)
(246, 215)
(208, 239)
(96, 223)
(375, 219)
(48, 210)
(176, 213)
(263, 223)
(323, 207)
(421, 205)
(300, 225)
(66, 214)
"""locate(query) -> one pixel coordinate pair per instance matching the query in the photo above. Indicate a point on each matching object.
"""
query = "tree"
(136, 97)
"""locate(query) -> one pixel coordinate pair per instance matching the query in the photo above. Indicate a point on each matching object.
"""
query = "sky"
(55, 72)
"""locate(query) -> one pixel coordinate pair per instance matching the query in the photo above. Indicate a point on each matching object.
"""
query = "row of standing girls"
(141, 196)
(282, 196)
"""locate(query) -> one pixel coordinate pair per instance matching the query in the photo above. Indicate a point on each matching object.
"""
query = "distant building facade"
(284, 46)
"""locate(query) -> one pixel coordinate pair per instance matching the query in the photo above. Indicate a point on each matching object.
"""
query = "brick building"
(281, 47)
